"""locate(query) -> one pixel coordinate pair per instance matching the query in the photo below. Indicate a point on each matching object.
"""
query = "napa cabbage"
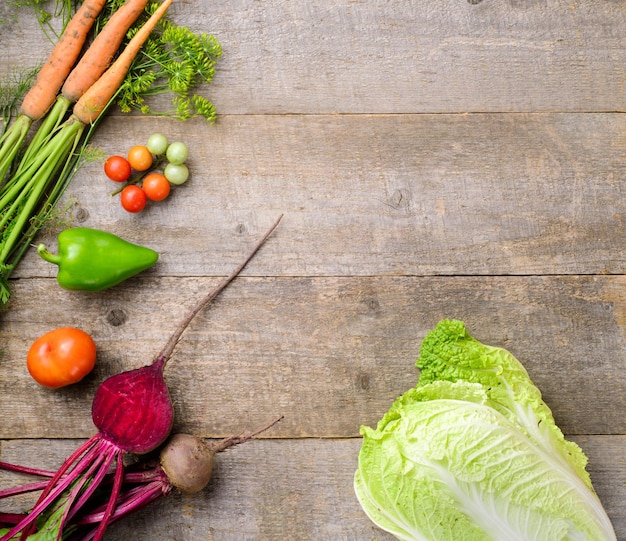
(472, 453)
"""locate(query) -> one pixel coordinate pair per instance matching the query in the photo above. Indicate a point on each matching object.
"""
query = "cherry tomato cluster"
(149, 171)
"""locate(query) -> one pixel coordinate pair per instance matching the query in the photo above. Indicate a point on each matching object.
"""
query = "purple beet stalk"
(185, 463)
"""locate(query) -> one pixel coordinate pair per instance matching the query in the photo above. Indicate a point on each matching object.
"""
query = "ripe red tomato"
(140, 157)
(133, 198)
(61, 357)
(117, 168)
(156, 186)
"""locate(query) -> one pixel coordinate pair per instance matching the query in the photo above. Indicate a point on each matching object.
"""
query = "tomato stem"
(137, 178)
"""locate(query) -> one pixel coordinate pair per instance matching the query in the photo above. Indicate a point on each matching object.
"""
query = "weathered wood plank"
(287, 489)
(328, 353)
(394, 219)
(366, 195)
(398, 57)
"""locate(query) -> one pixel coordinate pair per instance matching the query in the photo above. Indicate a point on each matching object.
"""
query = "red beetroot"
(134, 414)
(185, 463)
(133, 409)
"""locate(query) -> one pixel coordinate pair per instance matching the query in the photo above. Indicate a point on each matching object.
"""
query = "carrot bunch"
(71, 93)
(43, 93)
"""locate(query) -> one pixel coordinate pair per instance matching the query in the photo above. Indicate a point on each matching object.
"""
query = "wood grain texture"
(432, 159)
(328, 353)
(398, 57)
(372, 195)
(288, 489)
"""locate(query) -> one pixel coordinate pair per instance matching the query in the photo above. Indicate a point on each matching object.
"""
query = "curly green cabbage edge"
(473, 453)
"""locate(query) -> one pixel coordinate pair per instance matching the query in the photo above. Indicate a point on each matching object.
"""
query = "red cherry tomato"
(133, 198)
(156, 186)
(61, 357)
(117, 168)
(140, 158)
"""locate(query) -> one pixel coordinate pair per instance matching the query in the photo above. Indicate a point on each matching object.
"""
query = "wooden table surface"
(432, 159)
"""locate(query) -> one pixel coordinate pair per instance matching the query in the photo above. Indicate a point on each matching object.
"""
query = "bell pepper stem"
(46, 254)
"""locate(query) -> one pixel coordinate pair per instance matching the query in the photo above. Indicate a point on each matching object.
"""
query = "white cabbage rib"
(489, 471)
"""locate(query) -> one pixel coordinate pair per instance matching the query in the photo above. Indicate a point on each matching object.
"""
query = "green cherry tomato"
(157, 144)
(177, 153)
(176, 173)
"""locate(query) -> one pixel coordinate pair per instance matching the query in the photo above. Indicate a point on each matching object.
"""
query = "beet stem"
(97, 480)
(23, 489)
(52, 491)
(101, 464)
(130, 501)
(82, 449)
(94, 455)
(231, 441)
(148, 476)
(115, 492)
(8, 519)
(166, 353)
(25, 469)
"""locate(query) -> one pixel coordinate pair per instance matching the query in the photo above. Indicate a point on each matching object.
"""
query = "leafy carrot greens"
(173, 60)
(12, 90)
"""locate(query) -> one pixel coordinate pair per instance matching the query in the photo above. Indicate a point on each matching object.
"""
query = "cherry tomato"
(156, 186)
(117, 168)
(157, 144)
(177, 153)
(176, 173)
(133, 198)
(61, 357)
(140, 157)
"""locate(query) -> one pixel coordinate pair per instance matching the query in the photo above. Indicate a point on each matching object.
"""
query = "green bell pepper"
(93, 260)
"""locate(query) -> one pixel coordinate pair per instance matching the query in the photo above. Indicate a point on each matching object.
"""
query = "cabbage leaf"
(472, 453)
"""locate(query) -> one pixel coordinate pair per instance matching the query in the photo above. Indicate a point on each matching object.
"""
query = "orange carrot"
(91, 104)
(100, 53)
(60, 62)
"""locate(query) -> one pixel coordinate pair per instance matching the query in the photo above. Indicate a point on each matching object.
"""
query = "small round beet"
(188, 462)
